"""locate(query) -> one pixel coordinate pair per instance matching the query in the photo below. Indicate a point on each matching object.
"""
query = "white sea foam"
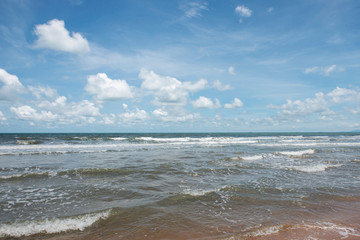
(314, 168)
(248, 158)
(343, 231)
(55, 225)
(198, 192)
(298, 153)
(118, 138)
(265, 231)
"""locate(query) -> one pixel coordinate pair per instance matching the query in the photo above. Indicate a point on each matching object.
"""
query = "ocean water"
(180, 186)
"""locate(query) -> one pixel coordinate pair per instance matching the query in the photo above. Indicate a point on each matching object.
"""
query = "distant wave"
(298, 153)
(28, 142)
(54, 225)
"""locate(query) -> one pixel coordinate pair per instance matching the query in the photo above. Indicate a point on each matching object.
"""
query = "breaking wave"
(54, 225)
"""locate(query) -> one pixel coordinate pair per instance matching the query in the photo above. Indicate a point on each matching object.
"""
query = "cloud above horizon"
(53, 35)
(11, 86)
(106, 89)
(168, 90)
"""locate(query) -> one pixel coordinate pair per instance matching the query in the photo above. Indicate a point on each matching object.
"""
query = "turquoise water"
(223, 183)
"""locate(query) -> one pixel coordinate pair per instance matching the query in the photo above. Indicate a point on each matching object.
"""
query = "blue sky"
(179, 66)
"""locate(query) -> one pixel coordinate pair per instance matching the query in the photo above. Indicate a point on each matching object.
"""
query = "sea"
(180, 186)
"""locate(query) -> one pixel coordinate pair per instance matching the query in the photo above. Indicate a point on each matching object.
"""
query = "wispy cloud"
(231, 70)
(270, 9)
(193, 8)
(323, 70)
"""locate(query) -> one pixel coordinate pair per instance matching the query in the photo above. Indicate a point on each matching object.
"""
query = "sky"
(179, 65)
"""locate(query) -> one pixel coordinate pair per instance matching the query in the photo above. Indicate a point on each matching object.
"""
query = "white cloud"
(340, 95)
(193, 8)
(2, 116)
(332, 106)
(330, 69)
(40, 92)
(237, 103)
(311, 70)
(270, 9)
(26, 112)
(307, 107)
(54, 109)
(11, 86)
(54, 35)
(169, 90)
(204, 102)
(133, 116)
(323, 70)
(231, 70)
(109, 119)
(218, 85)
(175, 115)
(106, 89)
(243, 11)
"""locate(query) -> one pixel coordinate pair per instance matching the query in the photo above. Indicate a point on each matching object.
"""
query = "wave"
(325, 230)
(84, 172)
(251, 158)
(314, 168)
(28, 142)
(26, 176)
(54, 225)
(299, 153)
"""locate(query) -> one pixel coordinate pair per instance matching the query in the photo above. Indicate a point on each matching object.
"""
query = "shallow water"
(180, 186)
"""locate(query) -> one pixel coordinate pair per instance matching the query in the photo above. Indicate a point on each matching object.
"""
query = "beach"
(180, 186)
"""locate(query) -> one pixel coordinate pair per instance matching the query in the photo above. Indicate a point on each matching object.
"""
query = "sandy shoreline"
(340, 220)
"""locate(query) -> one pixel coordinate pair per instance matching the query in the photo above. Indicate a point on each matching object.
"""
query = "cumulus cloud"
(174, 115)
(218, 85)
(26, 112)
(54, 109)
(323, 70)
(340, 95)
(204, 102)
(106, 89)
(133, 116)
(336, 103)
(54, 35)
(169, 90)
(40, 92)
(193, 8)
(237, 103)
(243, 11)
(307, 107)
(11, 86)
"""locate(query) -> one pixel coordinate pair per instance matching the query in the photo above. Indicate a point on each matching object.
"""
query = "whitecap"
(247, 158)
(314, 168)
(298, 153)
(55, 225)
